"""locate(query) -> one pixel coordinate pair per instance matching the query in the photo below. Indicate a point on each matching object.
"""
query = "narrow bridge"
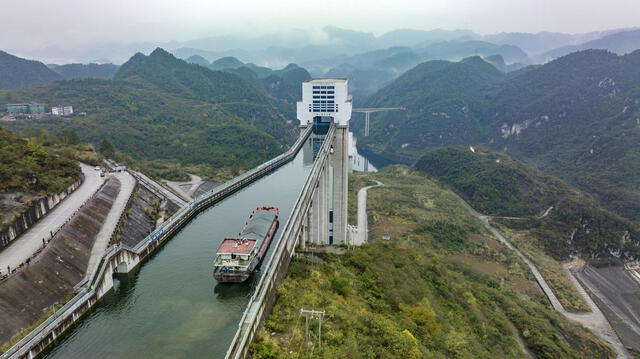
(318, 216)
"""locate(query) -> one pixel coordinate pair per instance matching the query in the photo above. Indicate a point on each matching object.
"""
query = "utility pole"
(313, 314)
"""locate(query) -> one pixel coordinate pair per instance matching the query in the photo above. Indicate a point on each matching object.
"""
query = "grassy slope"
(440, 288)
(499, 186)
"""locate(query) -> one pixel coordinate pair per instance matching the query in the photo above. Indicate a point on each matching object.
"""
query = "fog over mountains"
(299, 46)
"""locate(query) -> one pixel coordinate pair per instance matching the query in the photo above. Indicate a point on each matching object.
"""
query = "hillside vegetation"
(576, 118)
(564, 220)
(19, 73)
(442, 287)
(25, 166)
(159, 108)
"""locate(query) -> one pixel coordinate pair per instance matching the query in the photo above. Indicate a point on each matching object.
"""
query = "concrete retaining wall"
(122, 259)
(38, 209)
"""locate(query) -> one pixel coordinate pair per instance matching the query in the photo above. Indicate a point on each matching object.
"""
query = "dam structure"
(159, 298)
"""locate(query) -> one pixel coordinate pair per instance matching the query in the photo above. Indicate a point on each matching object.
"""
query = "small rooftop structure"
(236, 246)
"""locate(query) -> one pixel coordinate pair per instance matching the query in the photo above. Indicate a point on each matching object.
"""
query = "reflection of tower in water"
(311, 148)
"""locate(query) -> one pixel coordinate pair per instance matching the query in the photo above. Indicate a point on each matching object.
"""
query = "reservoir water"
(172, 307)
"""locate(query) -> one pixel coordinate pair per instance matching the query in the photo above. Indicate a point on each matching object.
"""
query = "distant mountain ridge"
(621, 43)
(18, 73)
(85, 71)
(160, 108)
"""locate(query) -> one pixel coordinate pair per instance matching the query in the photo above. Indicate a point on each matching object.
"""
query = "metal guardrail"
(250, 318)
(86, 288)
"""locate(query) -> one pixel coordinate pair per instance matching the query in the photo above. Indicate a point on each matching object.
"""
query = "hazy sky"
(36, 23)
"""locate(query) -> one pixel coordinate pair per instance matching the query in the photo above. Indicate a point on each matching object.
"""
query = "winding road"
(595, 320)
(30, 241)
(363, 225)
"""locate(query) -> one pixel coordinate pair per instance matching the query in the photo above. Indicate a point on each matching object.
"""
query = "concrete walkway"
(363, 225)
(127, 184)
(595, 320)
(30, 241)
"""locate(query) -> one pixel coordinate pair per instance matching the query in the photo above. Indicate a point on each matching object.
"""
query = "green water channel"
(172, 307)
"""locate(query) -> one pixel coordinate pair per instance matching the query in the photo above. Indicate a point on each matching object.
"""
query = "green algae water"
(172, 307)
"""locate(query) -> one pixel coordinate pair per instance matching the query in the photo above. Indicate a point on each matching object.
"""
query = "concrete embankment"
(140, 217)
(50, 277)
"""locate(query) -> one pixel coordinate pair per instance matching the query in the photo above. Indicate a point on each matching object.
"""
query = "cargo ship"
(237, 258)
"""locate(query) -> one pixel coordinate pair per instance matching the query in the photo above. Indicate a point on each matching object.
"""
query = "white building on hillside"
(62, 110)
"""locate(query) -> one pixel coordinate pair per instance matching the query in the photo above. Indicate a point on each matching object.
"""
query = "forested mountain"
(567, 221)
(162, 108)
(19, 73)
(83, 71)
(577, 117)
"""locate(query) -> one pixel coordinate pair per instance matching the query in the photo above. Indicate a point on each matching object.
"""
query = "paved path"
(363, 225)
(595, 320)
(127, 184)
(186, 189)
(30, 241)
(160, 188)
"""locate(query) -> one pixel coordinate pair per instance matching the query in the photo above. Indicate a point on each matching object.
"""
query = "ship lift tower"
(368, 111)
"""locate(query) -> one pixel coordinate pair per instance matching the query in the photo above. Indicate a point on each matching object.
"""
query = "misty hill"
(368, 72)
(197, 59)
(620, 42)
(455, 50)
(162, 108)
(82, 71)
(535, 44)
(410, 37)
(575, 117)
(567, 221)
(228, 62)
(19, 73)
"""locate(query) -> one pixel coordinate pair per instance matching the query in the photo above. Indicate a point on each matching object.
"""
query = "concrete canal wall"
(122, 258)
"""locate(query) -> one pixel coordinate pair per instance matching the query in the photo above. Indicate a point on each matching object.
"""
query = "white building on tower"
(324, 100)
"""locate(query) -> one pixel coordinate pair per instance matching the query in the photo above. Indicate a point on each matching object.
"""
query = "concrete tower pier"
(326, 103)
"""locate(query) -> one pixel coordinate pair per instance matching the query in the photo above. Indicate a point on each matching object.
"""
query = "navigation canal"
(172, 307)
